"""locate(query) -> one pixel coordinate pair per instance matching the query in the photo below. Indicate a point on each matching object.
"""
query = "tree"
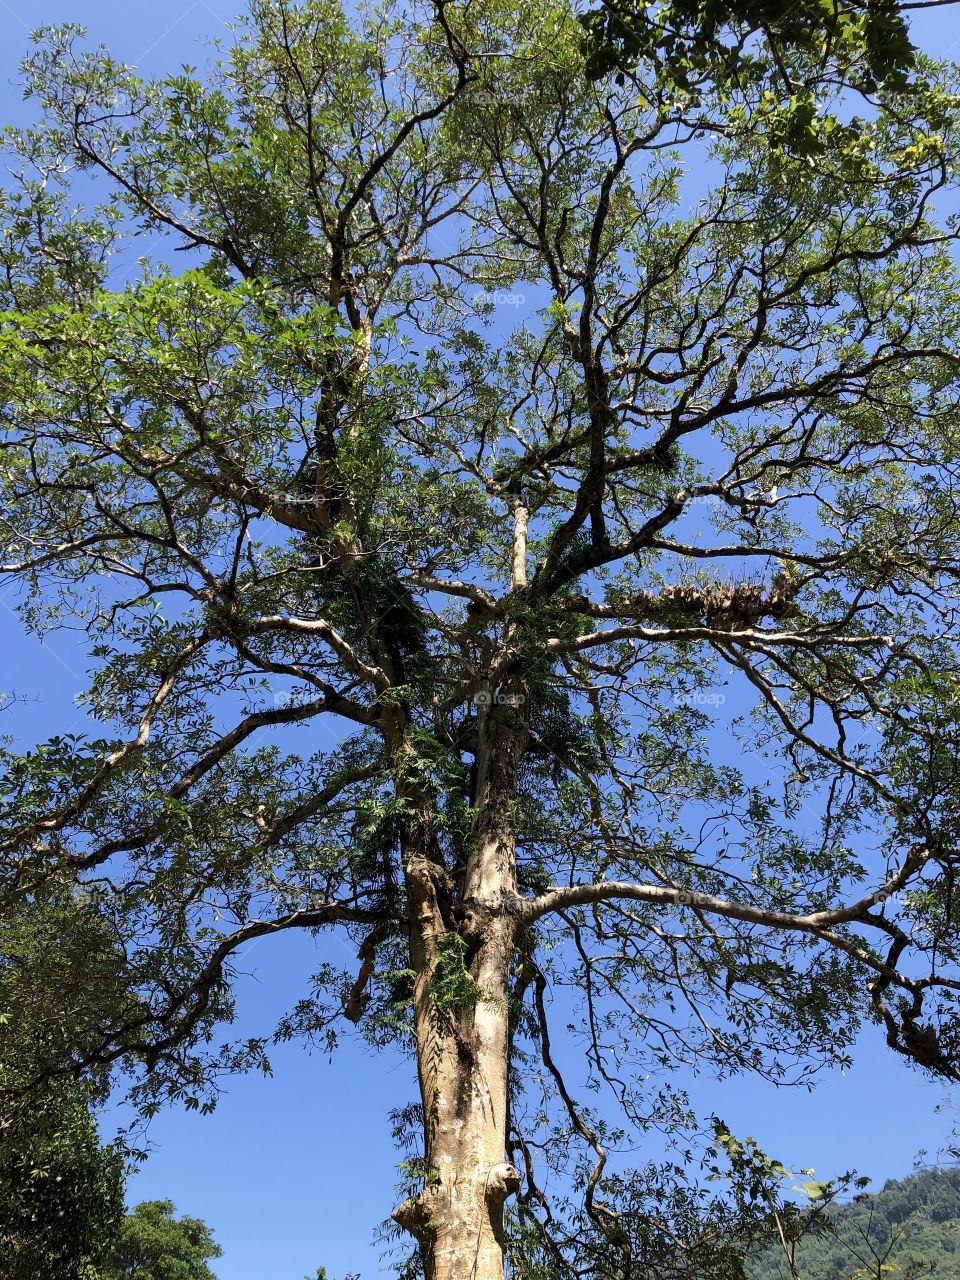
(535, 579)
(154, 1245)
(61, 1190)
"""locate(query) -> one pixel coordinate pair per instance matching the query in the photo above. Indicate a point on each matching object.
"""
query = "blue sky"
(297, 1170)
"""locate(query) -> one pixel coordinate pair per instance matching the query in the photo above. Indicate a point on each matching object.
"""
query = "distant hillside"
(918, 1218)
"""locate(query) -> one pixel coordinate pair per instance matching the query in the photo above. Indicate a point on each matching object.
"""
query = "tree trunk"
(462, 1053)
(463, 1048)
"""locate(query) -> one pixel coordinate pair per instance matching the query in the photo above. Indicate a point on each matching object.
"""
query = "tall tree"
(597, 669)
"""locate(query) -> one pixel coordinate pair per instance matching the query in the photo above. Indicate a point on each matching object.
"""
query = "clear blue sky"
(297, 1170)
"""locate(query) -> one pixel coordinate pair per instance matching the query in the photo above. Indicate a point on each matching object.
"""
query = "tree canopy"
(61, 1191)
(869, 39)
(155, 1245)
(807, 54)
(62, 1188)
(500, 547)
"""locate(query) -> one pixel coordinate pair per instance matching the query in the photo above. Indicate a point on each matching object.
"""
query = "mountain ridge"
(909, 1228)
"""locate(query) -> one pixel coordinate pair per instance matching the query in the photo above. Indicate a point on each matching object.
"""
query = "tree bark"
(463, 1051)
(458, 1215)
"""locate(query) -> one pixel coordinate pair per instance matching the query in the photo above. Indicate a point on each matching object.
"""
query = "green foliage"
(909, 1228)
(687, 38)
(155, 1245)
(452, 986)
(62, 984)
(799, 50)
(61, 1191)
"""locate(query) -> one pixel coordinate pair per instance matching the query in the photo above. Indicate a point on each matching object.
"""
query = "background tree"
(535, 579)
(61, 1190)
(154, 1245)
(907, 1229)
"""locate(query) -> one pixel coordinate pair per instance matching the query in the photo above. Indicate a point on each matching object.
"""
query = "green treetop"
(154, 1245)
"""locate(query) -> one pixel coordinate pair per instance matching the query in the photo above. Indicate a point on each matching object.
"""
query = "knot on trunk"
(477, 917)
(502, 1181)
(414, 1216)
